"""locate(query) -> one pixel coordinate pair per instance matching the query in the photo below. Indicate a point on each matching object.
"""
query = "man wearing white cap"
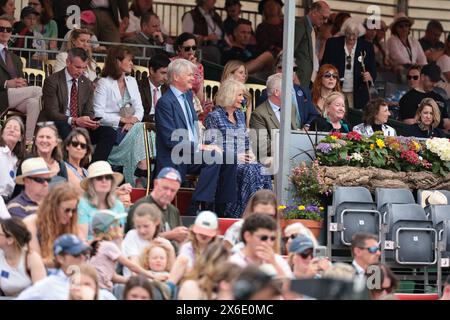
(35, 177)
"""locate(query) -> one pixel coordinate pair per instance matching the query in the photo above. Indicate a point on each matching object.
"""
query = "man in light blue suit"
(178, 143)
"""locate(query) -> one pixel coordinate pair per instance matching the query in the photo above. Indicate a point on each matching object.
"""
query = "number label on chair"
(333, 227)
(389, 245)
(361, 222)
(416, 239)
(445, 262)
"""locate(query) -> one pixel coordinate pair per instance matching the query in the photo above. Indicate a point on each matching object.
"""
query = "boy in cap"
(429, 76)
(70, 252)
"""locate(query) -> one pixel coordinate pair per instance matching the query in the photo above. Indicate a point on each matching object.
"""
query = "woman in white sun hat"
(203, 232)
(99, 193)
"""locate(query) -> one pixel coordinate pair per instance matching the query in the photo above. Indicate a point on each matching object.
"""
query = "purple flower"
(324, 147)
(312, 208)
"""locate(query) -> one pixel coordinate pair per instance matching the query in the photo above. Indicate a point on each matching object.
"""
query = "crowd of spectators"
(68, 227)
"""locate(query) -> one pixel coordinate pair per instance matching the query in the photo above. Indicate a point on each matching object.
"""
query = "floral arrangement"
(392, 153)
(309, 188)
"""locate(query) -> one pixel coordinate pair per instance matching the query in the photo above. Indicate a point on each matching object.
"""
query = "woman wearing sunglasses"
(20, 266)
(348, 53)
(56, 216)
(99, 193)
(327, 81)
(77, 152)
(376, 115)
(186, 48)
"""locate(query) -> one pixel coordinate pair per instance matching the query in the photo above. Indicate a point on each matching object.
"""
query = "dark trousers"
(216, 182)
(103, 138)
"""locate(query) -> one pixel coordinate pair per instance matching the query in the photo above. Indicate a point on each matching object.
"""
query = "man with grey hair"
(179, 144)
(267, 117)
(305, 39)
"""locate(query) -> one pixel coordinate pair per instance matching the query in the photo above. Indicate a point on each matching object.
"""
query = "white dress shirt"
(275, 109)
(179, 95)
(69, 83)
(347, 86)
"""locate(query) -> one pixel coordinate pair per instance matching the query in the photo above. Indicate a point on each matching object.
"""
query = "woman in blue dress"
(226, 126)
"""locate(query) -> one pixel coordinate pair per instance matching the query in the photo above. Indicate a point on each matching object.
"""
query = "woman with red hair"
(327, 81)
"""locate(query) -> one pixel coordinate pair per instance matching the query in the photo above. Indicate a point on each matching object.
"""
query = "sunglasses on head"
(416, 77)
(265, 238)
(40, 179)
(329, 75)
(6, 29)
(189, 48)
(373, 249)
(75, 144)
(104, 177)
(348, 66)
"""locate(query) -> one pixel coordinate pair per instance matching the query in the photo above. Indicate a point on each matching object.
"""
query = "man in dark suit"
(68, 102)
(14, 90)
(154, 86)
(150, 35)
(304, 42)
(266, 118)
(179, 145)
(107, 26)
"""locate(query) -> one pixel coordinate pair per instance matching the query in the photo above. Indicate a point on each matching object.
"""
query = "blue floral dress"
(235, 140)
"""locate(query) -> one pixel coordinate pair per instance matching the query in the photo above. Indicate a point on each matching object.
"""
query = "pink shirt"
(399, 55)
(105, 263)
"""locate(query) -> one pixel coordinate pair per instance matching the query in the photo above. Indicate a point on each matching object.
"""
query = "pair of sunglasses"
(292, 237)
(70, 210)
(306, 254)
(348, 66)
(40, 180)
(265, 238)
(189, 48)
(75, 144)
(373, 249)
(412, 77)
(105, 177)
(329, 75)
(6, 29)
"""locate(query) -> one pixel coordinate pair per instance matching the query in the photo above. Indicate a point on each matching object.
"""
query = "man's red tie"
(74, 99)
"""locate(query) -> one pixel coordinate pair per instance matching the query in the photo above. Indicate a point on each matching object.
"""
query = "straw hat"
(432, 197)
(100, 168)
(33, 167)
(400, 17)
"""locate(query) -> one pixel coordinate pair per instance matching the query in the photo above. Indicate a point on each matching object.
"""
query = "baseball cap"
(300, 244)
(70, 244)
(432, 71)
(26, 11)
(169, 173)
(104, 219)
(206, 223)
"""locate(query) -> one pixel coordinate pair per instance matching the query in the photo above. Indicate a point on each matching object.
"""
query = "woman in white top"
(12, 150)
(375, 116)
(19, 267)
(402, 48)
(79, 38)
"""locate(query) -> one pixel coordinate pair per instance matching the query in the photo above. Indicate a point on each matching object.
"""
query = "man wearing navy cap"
(165, 189)
(70, 252)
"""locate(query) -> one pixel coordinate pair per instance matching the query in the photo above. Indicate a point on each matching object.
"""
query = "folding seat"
(384, 196)
(410, 236)
(354, 211)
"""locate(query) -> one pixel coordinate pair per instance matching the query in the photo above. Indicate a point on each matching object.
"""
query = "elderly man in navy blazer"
(179, 145)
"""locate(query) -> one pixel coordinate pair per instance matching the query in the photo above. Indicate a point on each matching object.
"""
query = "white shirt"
(158, 95)
(188, 251)
(69, 83)
(54, 287)
(241, 260)
(276, 109)
(179, 95)
(348, 73)
(132, 246)
(4, 213)
(2, 52)
(188, 23)
(8, 163)
(358, 269)
(13, 279)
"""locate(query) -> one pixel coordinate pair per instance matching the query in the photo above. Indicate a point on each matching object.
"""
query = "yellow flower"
(301, 208)
(380, 143)
(416, 146)
(333, 137)
(372, 146)
(321, 208)
(281, 207)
